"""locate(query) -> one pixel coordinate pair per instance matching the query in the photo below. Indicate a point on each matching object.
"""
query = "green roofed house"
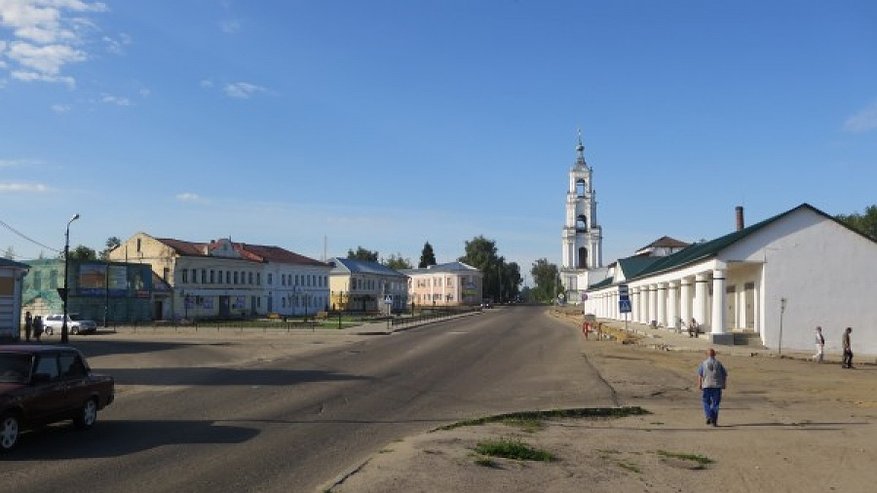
(800, 268)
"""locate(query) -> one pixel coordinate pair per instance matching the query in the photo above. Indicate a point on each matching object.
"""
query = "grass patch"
(509, 448)
(527, 425)
(700, 460)
(630, 467)
(487, 462)
(582, 412)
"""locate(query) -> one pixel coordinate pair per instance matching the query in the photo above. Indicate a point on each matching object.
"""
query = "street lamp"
(66, 267)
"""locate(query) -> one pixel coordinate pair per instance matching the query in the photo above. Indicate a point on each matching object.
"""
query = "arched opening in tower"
(583, 258)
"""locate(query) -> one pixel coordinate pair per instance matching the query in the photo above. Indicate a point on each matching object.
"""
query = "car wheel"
(87, 415)
(10, 430)
(74, 331)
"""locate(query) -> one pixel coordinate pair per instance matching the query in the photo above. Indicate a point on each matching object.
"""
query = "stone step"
(752, 339)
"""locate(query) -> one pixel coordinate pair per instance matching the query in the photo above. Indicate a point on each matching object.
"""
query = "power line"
(35, 242)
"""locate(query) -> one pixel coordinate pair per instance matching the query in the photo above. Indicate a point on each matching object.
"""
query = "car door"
(75, 379)
(48, 398)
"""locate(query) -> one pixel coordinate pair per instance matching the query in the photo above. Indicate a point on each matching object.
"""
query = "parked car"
(42, 384)
(75, 324)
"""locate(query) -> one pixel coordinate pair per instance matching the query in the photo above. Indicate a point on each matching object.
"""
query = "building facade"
(96, 290)
(449, 284)
(582, 235)
(778, 279)
(222, 279)
(361, 286)
(11, 281)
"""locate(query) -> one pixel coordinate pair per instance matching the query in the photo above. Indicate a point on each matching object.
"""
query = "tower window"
(581, 188)
(583, 258)
(581, 223)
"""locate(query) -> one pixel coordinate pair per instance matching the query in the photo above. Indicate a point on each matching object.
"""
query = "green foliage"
(865, 223)
(427, 256)
(397, 262)
(512, 448)
(547, 279)
(363, 254)
(82, 252)
(501, 280)
(111, 243)
(700, 460)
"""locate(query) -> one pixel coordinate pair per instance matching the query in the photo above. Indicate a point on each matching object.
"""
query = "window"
(165, 273)
(228, 277)
(71, 366)
(258, 278)
(235, 277)
(38, 280)
(250, 278)
(138, 245)
(269, 278)
(296, 280)
(212, 278)
(53, 279)
(203, 276)
(47, 364)
(185, 275)
(219, 277)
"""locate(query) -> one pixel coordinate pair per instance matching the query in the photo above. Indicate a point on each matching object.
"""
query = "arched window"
(581, 188)
(581, 223)
(583, 258)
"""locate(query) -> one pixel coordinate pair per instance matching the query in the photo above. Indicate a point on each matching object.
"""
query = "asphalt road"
(298, 421)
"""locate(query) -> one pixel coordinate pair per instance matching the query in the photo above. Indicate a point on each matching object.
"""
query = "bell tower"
(582, 235)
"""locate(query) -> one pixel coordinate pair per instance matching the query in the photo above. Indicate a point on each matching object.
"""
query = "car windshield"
(75, 317)
(14, 368)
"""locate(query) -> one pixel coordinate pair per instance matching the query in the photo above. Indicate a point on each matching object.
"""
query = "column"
(700, 297)
(672, 314)
(662, 304)
(653, 303)
(634, 303)
(719, 302)
(685, 300)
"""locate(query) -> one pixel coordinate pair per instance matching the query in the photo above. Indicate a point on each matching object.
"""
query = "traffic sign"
(624, 305)
(388, 300)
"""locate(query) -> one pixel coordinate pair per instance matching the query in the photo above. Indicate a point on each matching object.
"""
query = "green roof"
(700, 251)
(633, 266)
(602, 284)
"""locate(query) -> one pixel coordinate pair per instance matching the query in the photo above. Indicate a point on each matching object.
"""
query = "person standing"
(28, 325)
(820, 345)
(37, 327)
(711, 379)
(848, 349)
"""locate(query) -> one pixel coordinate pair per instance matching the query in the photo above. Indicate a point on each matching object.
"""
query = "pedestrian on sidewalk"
(848, 349)
(28, 325)
(692, 328)
(711, 378)
(38, 327)
(820, 345)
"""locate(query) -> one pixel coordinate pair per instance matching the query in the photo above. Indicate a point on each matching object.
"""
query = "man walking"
(28, 325)
(820, 345)
(711, 376)
(848, 349)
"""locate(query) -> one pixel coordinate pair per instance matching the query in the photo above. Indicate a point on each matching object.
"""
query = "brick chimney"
(739, 211)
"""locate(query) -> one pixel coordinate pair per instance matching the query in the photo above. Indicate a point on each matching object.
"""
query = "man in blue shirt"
(711, 377)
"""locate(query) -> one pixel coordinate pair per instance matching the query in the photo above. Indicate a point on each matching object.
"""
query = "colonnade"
(670, 301)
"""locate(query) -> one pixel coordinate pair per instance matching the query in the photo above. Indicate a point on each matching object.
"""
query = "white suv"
(74, 324)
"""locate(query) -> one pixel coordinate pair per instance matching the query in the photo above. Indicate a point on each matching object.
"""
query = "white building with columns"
(779, 279)
(582, 236)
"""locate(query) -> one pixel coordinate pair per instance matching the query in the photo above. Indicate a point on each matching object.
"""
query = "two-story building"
(11, 274)
(224, 279)
(358, 285)
(449, 284)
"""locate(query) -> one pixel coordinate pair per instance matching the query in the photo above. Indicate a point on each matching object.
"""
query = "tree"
(865, 223)
(82, 252)
(397, 262)
(546, 276)
(363, 254)
(427, 256)
(112, 243)
(500, 280)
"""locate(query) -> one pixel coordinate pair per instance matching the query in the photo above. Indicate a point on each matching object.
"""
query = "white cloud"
(863, 121)
(189, 197)
(61, 108)
(116, 100)
(12, 163)
(116, 45)
(23, 187)
(144, 93)
(242, 90)
(48, 35)
(206, 83)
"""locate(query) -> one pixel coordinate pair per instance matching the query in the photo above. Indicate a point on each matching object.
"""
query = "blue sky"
(389, 123)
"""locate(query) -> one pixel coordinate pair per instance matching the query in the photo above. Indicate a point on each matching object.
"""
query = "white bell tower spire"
(582, 236)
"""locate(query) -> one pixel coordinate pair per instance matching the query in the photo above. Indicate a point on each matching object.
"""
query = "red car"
(41, 384)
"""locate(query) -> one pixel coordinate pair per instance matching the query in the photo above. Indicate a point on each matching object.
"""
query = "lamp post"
(66, 267)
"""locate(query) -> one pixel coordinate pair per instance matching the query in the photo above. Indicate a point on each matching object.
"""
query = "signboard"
(388, 300)
(624, 305)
